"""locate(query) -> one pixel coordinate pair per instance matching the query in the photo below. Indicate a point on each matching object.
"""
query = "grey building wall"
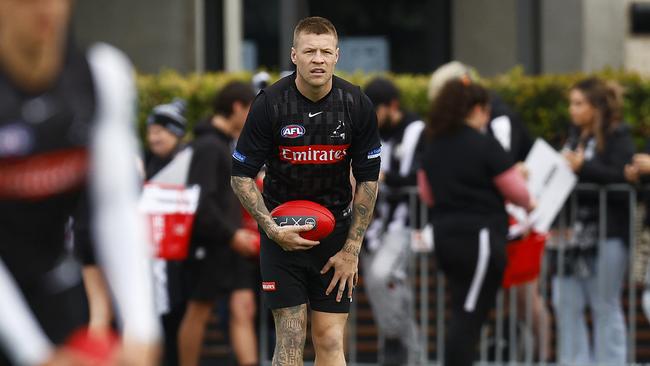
(582, 35)
(484, 34)
(637, 46)
(561, 40)
(604, 34)
(155, 34)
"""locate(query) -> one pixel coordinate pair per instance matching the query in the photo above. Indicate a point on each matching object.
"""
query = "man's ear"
(236, 106)
(293, 55)
(337, 55)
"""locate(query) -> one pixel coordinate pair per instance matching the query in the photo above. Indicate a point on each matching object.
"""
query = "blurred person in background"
(230, 109)
(166, 127)
(260, 81)
(466, 177)
(388, 240)
(505, 125)
(509, 130)
(598, 148)
(638, 172)
(66, 130)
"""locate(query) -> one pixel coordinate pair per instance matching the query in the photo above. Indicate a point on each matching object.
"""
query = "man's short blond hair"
(314, 25)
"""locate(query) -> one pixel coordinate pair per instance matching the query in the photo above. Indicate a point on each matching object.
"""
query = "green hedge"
(540, 100)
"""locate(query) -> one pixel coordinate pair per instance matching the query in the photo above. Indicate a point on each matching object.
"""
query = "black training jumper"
(470, 225)
(308, 148)
(44, 140)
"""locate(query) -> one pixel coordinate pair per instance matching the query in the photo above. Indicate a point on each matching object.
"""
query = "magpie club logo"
(293, 131)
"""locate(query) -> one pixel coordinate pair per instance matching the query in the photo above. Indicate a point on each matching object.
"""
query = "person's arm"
(365, 150)
(424, 188)
(20, 333)
(506, 176)
(512, 186)
(99, 300)
(254, 145)
(119, 237)
(619, 149)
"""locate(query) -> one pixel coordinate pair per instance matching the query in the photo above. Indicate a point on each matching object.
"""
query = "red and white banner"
(170, 213)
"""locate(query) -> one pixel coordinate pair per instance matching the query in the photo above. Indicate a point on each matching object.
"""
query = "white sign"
(550, 181)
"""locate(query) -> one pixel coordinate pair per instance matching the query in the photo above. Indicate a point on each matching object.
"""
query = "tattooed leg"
(290, 333)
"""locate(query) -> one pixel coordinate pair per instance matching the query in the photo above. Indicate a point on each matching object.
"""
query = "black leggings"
(473, 262)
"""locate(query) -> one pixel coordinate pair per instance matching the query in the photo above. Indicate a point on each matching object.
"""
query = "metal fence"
(505, 339)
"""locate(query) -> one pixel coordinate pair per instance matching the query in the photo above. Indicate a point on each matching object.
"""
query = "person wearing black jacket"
(465, 177)
(507, 127)
(208, 271)
(597, 150)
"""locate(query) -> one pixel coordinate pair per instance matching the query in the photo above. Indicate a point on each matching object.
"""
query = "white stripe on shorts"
(481, 267)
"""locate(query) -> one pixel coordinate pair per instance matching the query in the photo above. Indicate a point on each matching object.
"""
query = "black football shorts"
(293, 278)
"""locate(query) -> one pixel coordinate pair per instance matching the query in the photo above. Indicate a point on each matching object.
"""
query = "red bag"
(524, 259)
(170, 214)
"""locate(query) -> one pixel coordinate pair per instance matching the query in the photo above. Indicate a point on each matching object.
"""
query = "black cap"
(171, 116)
(381, 91)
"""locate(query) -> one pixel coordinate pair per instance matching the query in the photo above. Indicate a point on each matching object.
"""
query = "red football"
(302, 212)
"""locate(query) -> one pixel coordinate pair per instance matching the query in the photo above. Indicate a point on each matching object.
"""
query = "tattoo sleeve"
(251, 198)
(364, 203)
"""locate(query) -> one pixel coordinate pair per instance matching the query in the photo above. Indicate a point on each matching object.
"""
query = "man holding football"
(310, 128)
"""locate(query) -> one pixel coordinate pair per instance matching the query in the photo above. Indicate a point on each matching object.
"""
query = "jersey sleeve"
(496, 158)
(366, 146)
(255, 143)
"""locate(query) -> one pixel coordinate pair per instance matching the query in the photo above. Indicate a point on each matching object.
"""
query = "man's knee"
(242, 305)
(328, 339)
(197, 312)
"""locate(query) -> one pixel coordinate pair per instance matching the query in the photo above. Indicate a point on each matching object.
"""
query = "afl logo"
(293, 131)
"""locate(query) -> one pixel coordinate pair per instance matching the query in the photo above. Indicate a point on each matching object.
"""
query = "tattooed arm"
(346, 261)
(287, 237)
(362, 208)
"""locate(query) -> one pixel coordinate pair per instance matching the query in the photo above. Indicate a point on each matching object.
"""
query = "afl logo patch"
(293, 131)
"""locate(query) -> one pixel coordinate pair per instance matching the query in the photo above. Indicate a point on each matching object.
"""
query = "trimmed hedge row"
(540, 100)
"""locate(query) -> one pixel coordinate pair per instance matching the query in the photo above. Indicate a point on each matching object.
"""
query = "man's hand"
(289, 239)
(642, 163)
(575, 159)
(346, 272)
(523, 170)
(631, 173)
(243, 242)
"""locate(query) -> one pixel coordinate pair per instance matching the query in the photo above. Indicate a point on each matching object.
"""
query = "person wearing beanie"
(386, 253)
(166, 126)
